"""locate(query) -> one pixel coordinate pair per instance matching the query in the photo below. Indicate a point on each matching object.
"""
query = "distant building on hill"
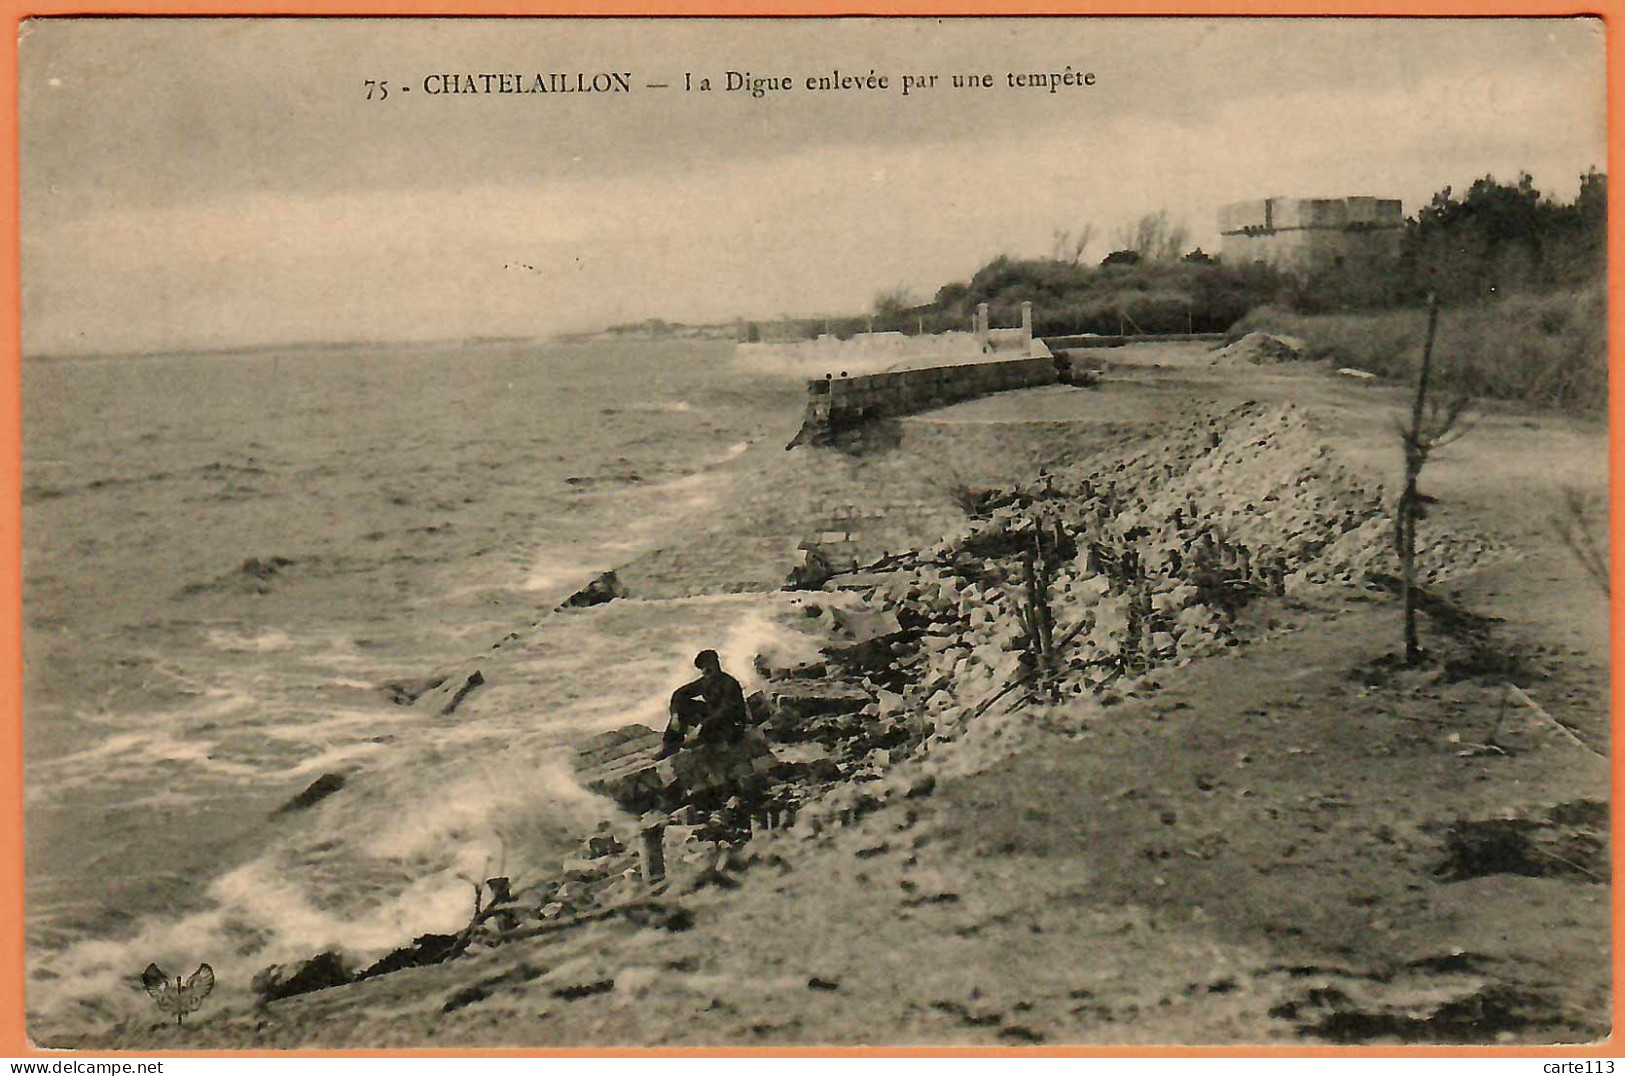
(1310, 235)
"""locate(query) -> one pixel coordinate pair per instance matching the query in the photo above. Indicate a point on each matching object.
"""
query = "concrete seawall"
(865, 353)
(843, 403)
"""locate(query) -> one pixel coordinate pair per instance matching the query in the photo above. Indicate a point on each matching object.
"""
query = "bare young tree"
(1081, 243)
(1434, 423)
(1037, 619)
(1060, 242)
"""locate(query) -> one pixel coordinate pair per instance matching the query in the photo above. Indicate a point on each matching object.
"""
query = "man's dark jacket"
(719, 709)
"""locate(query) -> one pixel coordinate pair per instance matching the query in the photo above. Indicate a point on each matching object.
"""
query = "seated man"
(715, 703)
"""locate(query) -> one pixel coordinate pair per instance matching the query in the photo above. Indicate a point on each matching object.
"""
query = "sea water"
(226, 555)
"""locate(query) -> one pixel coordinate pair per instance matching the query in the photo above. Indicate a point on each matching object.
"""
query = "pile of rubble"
(1078, 586)
(1085, 582)
(1260, 349)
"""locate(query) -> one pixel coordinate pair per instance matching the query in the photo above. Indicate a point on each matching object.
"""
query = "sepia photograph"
(651, 533)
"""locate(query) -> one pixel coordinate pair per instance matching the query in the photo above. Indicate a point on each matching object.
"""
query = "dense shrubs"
(1502, 239)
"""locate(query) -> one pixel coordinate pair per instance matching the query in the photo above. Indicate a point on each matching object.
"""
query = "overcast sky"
(219, 182)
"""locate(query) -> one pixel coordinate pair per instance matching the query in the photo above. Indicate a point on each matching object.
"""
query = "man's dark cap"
(705, 658)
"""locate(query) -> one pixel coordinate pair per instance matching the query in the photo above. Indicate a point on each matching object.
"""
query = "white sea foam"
(432, 835)
(639, 531)
(444, 805)
(95, 978)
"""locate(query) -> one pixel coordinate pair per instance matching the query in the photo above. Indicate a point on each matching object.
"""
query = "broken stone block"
(710, 767)
(600, 845)
(804, 670)
(318, 790)
(1097, 586)
(794, 702)
(620, 764)
(870, 656)
(605, 588)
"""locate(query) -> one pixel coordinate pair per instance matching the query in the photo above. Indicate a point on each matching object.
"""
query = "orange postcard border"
(13, 1039)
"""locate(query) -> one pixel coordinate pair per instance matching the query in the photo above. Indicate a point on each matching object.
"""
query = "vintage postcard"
(984, 532)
